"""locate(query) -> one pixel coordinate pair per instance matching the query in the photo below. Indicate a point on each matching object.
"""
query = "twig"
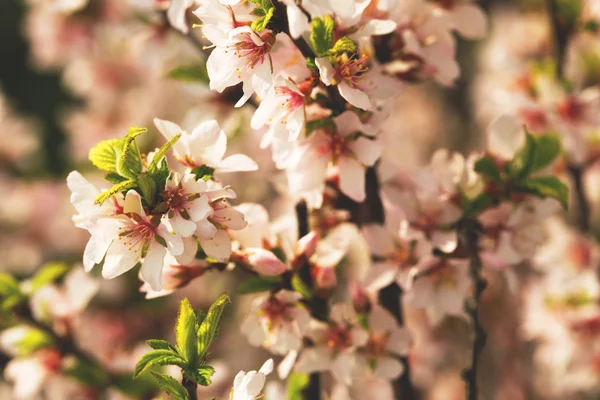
(583, 207)
(470, 233)
(191, 388)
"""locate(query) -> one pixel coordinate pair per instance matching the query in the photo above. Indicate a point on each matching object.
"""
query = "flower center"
(352, 69)
(252, 53)
(139, 231)
(176, 199)
(338, 338)
(293, 100)
(377, 343)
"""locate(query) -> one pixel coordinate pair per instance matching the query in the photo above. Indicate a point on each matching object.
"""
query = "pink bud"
(360, 300)
(306, 245)
(325, 277)
(264, 262)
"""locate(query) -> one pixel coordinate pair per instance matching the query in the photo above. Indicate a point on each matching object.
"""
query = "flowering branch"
(470, 233)
(562, 28)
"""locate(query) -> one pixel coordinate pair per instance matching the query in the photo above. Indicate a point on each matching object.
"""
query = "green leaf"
(321, 34)
(158, 344)
(48, 274)
(104, 155)
(10, 292)
(257, 284)
(203, 172)
(343, 45)
(119, 188)
(195, 73)
(33, 340)
(185, 331)
(158, 358)
(538, 152)
(114, 178)
(160, 154)
(201, 375)
(546, 186)
(547, 149)
(261, 23)
(478, 204)
(296, 383)
(208, 329)
(129, 162)
(487, 167)
(301, 287)
(148, 186)
(87, 374)
(170, 386)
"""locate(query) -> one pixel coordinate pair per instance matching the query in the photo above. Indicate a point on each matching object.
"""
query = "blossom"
(131, 238)
(358, 82)
(350, 153)
(335, 345)
(277, 322)
(282, 109)
(248, 385)
(387, 340)
(441, 287)
(246, 56)
(185, 202)
(205, 145)
(399, 249)
(174, 276)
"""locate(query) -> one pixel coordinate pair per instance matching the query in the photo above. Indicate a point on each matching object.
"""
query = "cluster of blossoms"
(352, 248)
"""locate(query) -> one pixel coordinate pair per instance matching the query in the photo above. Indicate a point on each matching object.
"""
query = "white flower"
(243, 57)
(441, 287)
(307, 168)
(399, 249)
(357, 81)
(131, 238)
(248, 385)
(505, 137)
(205, 145)
(186, 203)
(335, 345)
(278, 322)
(282, 109)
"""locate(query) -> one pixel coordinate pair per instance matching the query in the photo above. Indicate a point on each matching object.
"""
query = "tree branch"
(191, 388)
(470, 234)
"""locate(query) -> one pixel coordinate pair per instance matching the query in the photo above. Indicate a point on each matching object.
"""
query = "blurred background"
(70, 80)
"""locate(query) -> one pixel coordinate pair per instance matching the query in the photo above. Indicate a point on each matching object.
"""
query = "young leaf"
(203, 172)
(321, 34)
(201, 375)
(48, 274)
(343, 45)
(121, 187)
(546, 186)
(196, 73)
(261, 23)
(295, 385)
(208, 329)
(487, 167)
(33, 340)
(104, 155)
(185, 331)
(160, 154)
(129, 162)
(158, 344)
(315, 124)
(520, 167)
(158, 358)
(170, 386)
(301, 287)
(87, 374)
(258, 284)
(148, 186)
(10, 292)
(547, 149)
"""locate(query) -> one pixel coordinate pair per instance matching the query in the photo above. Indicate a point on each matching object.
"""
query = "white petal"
(208, 143)
(326, 70)
(352, 179)
(388, 368)
(219, 247)
(314, 359)
(205, 229)
(152, 266)
(119, 259)
(379, 240)
(176, 14)
(94, 251)
(237, 162)
(133, 203)
(190, 248)
(367, 151)
(470, 21)
(354, 96)
(505, 137)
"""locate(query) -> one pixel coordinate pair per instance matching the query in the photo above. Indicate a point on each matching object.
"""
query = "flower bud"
(325, 277)
(264, 262)
(306, 245)
(360, 300)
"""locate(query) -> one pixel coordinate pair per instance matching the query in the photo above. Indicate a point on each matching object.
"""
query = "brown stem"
(191, 388)
(470, 237)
